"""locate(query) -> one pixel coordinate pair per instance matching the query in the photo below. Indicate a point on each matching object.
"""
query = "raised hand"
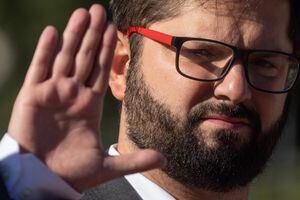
(57, 113)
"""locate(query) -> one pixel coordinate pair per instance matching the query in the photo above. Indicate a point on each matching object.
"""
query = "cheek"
(166, 84)
(270, 107)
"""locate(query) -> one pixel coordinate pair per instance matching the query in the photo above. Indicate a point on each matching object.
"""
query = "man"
(203, 82)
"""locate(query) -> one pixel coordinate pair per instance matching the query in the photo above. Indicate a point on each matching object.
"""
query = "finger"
(128, 164)
(72, 37)
(100, 75)
(42, 59)
(86, 55)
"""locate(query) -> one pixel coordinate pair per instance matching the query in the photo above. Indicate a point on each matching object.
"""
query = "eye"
(202, 52)
(264, 68)
(263, 63)
(201, 55)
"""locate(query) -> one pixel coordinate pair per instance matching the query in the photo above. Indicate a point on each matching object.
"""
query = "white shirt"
(147, 189)
(26, 177)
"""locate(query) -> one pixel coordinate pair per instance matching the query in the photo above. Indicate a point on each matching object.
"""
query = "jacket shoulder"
(118, 189)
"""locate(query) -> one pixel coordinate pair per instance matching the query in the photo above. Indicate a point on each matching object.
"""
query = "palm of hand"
(63, 116)
(72, 113)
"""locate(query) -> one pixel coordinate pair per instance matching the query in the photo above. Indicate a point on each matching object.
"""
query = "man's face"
(215, 135)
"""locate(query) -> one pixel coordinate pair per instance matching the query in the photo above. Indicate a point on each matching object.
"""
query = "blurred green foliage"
(23, 21)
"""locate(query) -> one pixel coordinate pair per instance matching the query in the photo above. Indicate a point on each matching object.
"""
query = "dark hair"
(295, 26)
(128, 13)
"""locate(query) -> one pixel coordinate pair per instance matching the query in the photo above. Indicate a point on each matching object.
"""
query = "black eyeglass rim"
(177, 42)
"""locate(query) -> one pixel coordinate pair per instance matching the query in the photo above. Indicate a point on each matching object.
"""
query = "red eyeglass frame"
(152, 34)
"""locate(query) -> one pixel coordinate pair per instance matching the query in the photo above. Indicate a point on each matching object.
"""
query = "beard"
(233, 162)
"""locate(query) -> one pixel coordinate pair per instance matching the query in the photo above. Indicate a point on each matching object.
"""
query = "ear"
(117, 78)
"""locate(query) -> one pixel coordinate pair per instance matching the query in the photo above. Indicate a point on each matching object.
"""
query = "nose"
(234, 86)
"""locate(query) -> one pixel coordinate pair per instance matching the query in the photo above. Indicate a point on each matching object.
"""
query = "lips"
(226, 122)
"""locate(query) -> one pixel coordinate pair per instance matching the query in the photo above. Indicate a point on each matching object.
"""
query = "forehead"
(258, 24)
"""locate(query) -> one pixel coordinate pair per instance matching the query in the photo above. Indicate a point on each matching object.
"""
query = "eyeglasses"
(209, 60)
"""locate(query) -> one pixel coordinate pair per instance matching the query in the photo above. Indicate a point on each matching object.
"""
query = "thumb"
(143, 160)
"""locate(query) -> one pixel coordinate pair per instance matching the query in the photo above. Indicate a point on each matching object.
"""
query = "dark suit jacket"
(3, 191)
(118, 189)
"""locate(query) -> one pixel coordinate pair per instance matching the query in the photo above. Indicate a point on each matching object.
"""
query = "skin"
(58, 110)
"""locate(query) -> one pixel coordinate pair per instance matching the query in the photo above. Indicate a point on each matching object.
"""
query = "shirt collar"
(147, 189)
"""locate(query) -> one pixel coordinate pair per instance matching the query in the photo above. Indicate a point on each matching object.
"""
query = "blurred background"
(22, 21)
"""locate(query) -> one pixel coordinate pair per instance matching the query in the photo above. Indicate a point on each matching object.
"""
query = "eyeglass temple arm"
(151, 34)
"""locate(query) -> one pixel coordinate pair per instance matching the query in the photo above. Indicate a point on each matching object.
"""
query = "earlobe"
(117, 79)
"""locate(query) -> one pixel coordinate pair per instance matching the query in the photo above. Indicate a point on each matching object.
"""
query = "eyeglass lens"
(207, 60)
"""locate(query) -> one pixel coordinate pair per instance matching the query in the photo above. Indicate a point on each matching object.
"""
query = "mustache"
(239, 111)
